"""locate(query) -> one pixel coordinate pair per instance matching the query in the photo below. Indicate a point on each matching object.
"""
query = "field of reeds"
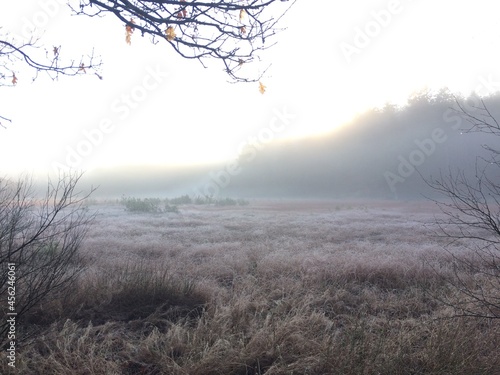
(272, 287)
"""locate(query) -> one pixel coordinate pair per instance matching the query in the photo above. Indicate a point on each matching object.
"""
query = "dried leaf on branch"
(129, 30)
(170, 33)
(262, 88)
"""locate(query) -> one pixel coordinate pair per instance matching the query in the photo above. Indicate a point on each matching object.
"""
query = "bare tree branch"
(471, 208)
(20, 58)
(4, 119)
(479, 117)
(233, 32)
(15, 54)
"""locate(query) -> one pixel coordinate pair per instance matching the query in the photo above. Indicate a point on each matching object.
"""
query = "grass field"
(275, 287)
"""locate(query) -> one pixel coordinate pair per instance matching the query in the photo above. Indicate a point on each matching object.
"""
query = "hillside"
(383, 153)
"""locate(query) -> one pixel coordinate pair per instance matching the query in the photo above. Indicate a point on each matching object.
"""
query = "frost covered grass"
(287, 287)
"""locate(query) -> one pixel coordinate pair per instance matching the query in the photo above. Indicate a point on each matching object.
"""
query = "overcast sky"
(336, 59)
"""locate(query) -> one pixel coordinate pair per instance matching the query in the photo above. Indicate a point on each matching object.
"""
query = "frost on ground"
(207, 242)
(275, 287)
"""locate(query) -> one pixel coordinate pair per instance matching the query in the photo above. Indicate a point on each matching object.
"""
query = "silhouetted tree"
(472, 218)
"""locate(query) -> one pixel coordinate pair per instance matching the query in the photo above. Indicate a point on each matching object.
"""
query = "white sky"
(194, 116)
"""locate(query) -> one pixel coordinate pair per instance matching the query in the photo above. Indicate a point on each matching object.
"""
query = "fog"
(384, 153)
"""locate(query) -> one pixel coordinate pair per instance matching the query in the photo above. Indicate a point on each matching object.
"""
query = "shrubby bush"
(149, 205)
(220, 201)
(156, 205)
(183, 199)
(203, 200)
(226, 202)
(170, 208)
(231, 202)
(243, 202)
(142, 205)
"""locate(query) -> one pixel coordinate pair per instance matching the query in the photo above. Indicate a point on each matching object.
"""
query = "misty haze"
(235, 187)
(385, 153)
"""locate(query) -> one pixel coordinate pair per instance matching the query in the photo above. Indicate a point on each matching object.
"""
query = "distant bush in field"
(141, 205)
(203, 200)
(231, 202)
(243, 202)
(226, 202)
(157, 205)
(169, 208)
(199, 200)
(183, 199)
(151, 205)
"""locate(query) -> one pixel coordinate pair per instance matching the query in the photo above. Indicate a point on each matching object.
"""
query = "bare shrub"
(41, 238)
